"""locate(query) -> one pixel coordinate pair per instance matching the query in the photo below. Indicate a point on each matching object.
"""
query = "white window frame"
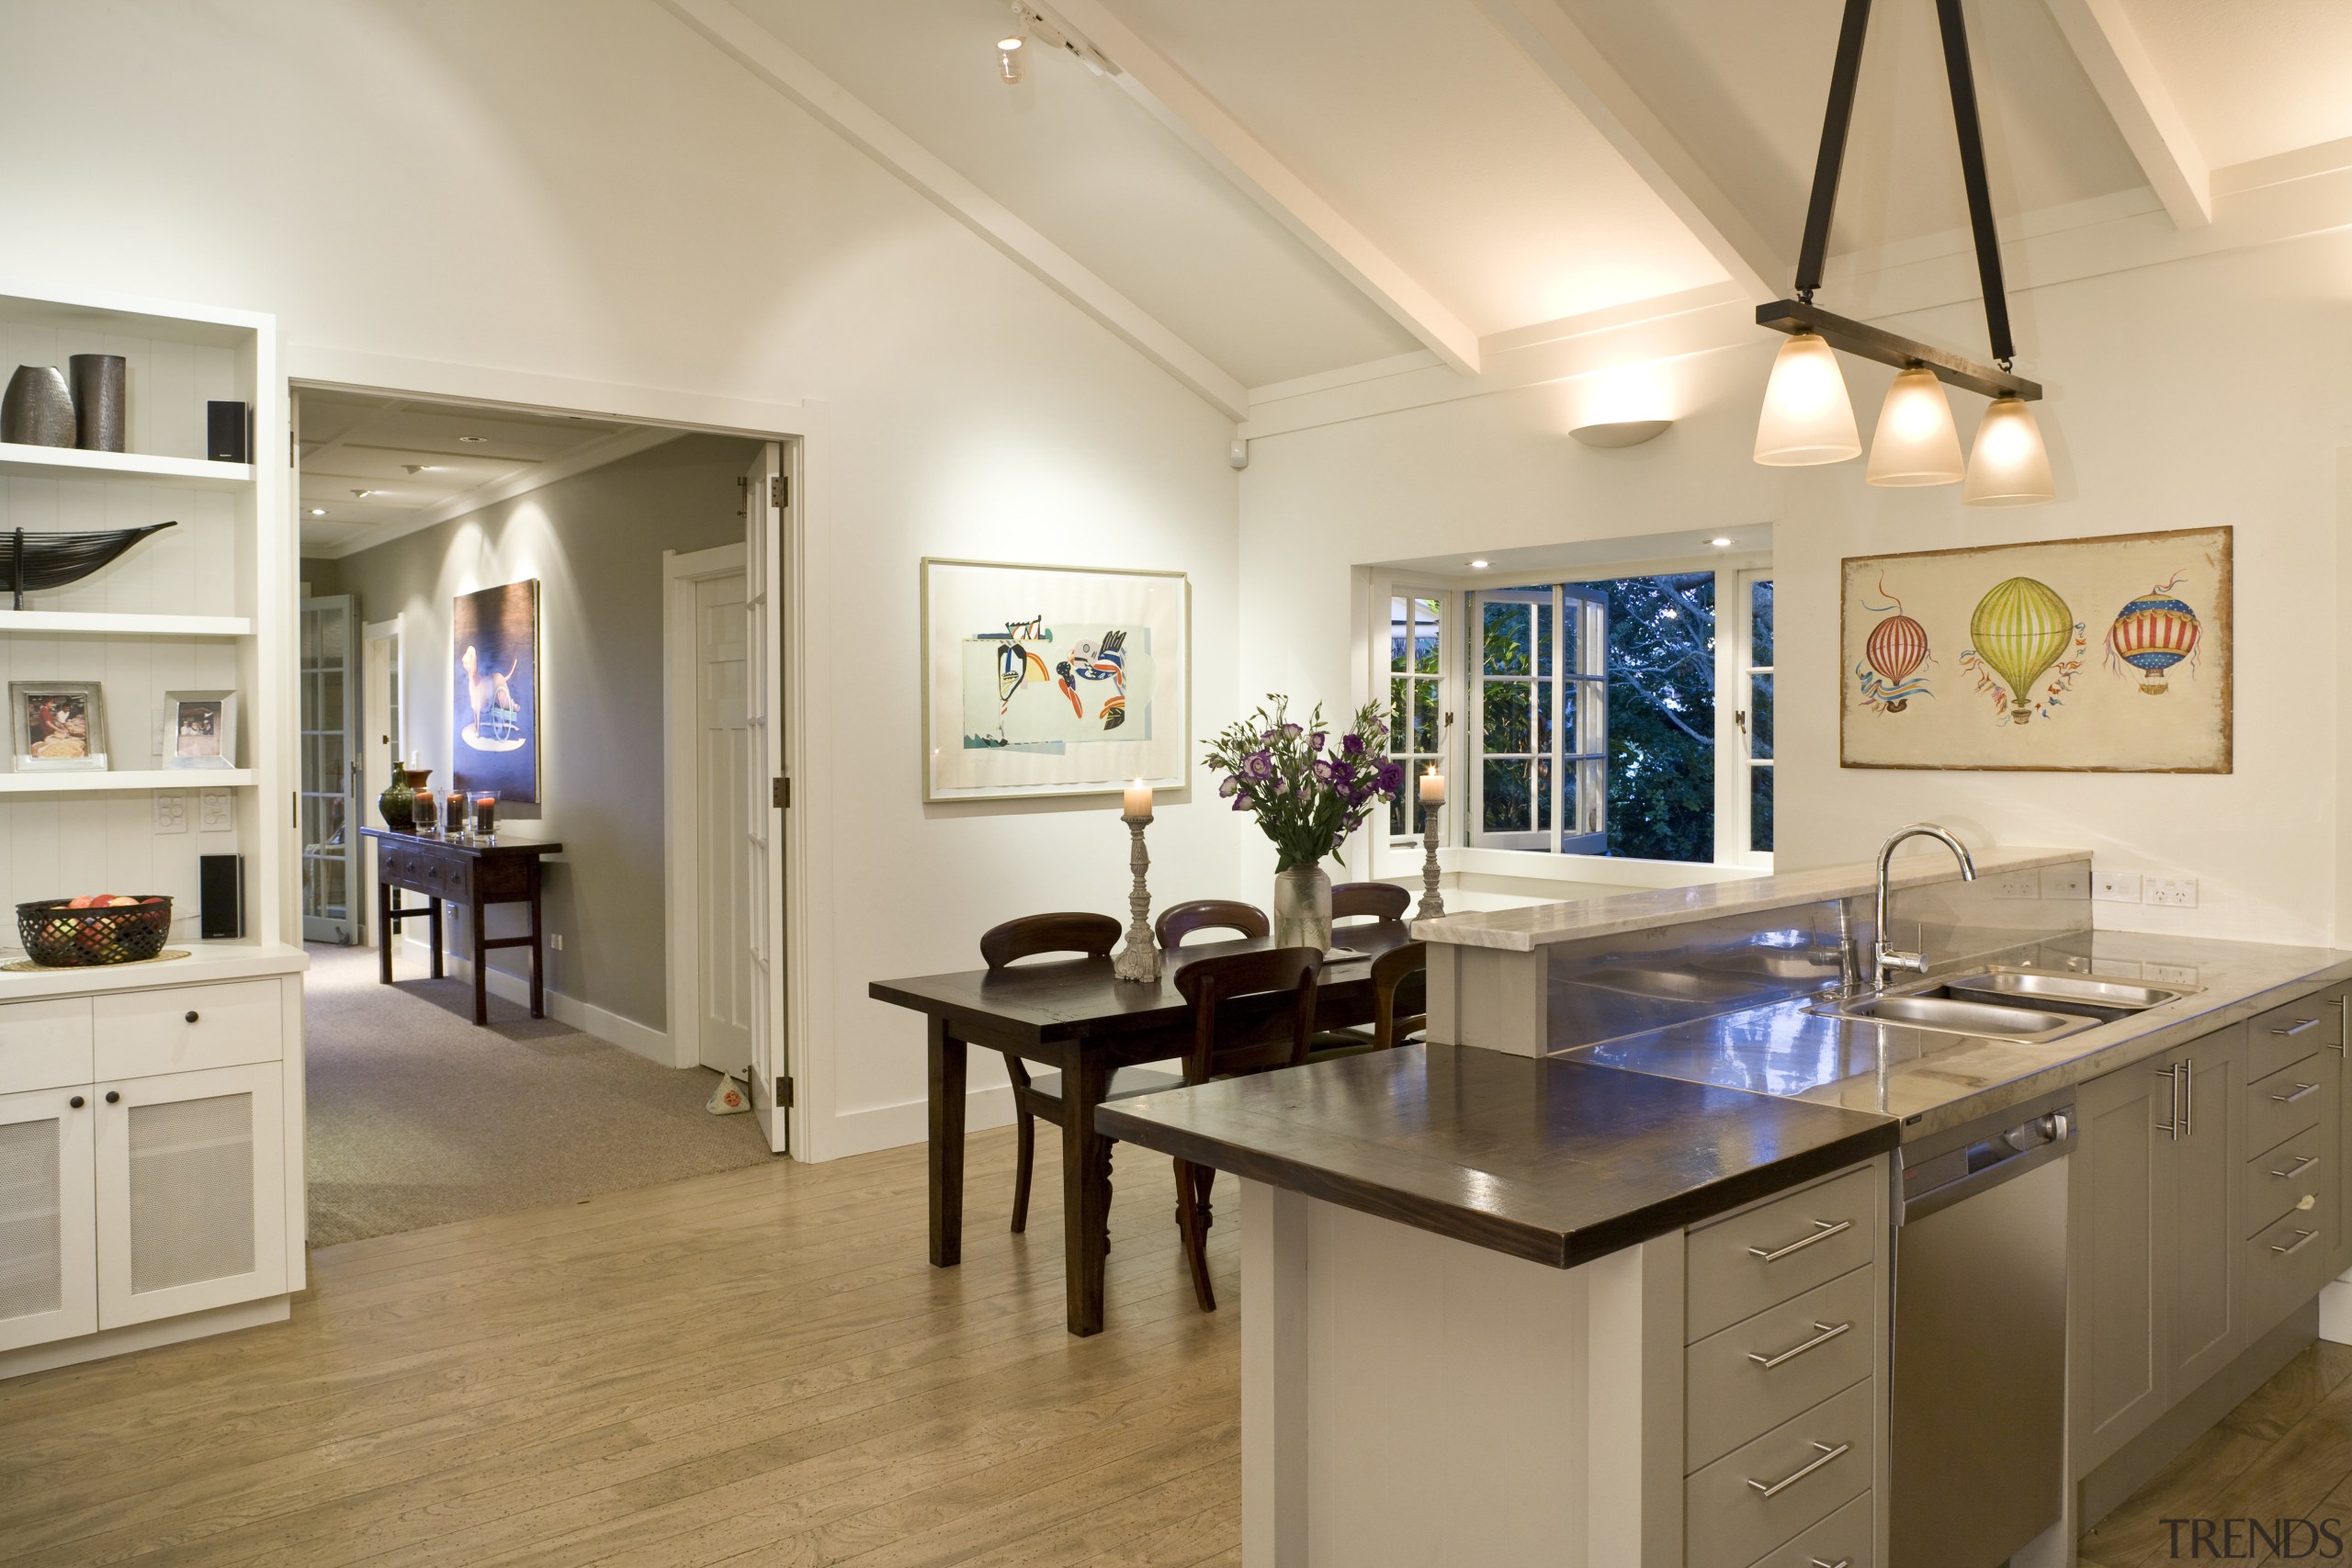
(1575, 782)
(1736, 763)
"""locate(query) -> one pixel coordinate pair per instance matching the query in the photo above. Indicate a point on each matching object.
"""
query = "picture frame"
(201, 731)
(1044, 680)
(58, 727)
(494, 692)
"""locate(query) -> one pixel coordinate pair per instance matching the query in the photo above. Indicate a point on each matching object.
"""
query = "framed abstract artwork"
(2102, 655)
(494, 691)
(1050, 680)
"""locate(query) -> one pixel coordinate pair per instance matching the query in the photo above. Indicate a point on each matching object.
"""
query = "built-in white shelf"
(108, 623)
(19, 461)
(122, 781)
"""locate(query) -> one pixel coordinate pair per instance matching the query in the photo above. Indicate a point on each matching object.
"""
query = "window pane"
(1545, 701)
(1759, 810)
(1508, 650)
(1544, 795)
(1397, 817)
(1426, 701)
(1400, 715)
(1760, 716)
(1760, 626)
(1542, 618)
(1661, 706)
(1400, 630)
(1425, 636)
(1506, 797)
(1507, 726)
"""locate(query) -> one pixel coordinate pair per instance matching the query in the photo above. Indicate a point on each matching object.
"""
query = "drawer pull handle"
(1828, 1331)
(1827, 1453)
(191, 1015)
(2300, 1089)
(1822, 1231)
(2306, 1238)
(114, 1097)
(2297, 1027)
(77, 1102)
(2297, 1169)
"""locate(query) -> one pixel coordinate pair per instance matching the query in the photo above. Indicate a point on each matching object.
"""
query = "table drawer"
(1817, 1344)
(2287, 1035)
(183, 1028)
(2276, 1177)
(45, 1045)
(1763, 1255)
(1809, 1465)
(2286, 1263)
(1847, 1538)
(2290, 1100)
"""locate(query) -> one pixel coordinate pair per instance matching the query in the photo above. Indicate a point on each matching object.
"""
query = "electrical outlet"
(2019, 885)
(2116, 886)
(2172, 891)
(171, 812)
(2170, 974)
(555, 941)
(2063, 882)
(212, 810)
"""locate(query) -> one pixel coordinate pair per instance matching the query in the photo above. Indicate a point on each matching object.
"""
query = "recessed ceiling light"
(1477, 566)
(1720, 544)
(367, 492)
(318, 512)
(475, 439)
(424, 467)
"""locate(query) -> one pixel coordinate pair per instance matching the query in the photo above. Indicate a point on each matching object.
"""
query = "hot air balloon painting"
(1892, 657)
(2151, 633)
(2023, 632)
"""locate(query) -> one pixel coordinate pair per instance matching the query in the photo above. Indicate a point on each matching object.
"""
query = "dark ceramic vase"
(398, 803)
(38, 407)
(100, 401)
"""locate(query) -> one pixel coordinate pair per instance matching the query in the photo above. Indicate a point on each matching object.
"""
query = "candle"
(486, 814)
(1432, 788)
(1137, 801)
(453, 818)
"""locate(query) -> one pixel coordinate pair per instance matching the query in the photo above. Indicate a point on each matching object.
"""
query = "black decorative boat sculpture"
(29, 563)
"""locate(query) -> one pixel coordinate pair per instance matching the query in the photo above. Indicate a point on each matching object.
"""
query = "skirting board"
(653, 1044)
(896, 1127)
(144, 1336)
(2336, 1311)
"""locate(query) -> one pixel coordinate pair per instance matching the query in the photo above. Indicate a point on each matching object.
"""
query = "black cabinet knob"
(77, 1102)
(114, 1097)
(191, 1015)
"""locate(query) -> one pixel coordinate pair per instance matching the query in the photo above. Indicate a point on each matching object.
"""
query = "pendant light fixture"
(1915, 442)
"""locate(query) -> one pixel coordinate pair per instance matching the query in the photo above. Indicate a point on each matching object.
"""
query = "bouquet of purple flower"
(1308, 788)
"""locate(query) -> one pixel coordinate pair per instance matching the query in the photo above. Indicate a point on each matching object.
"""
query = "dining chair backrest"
(1179, 920)
(1400, 979)
(1229, 1038)
(1092, 935)
(1380, 900)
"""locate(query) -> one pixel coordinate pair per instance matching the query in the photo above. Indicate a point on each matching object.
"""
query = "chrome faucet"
(1886, 959)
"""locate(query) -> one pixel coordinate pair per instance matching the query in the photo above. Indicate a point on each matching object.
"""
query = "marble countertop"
(1541, 925)
(1933, 1081)
(205, 962)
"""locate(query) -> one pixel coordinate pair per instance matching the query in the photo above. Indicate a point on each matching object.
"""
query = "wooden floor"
(754, 1367)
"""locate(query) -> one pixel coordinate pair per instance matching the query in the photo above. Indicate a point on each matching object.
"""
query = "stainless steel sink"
(2030, 986)
(1952, 1015)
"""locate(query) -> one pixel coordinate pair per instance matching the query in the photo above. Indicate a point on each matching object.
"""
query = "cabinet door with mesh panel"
(48, 1270)
(191, 1194)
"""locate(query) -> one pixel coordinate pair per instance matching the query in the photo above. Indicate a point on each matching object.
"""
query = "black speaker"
(221, 894)
(227, 432)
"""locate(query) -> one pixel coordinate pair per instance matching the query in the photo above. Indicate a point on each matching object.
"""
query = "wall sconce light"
(1622, 431)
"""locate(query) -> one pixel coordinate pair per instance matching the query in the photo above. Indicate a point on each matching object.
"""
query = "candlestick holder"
(1138, 956)
(1433, 901)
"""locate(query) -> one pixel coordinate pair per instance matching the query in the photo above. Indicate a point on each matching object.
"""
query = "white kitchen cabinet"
(49, 1239)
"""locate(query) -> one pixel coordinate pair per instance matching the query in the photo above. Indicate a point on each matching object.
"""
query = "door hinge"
(779, 492)
(784, 1093)
(780, 794)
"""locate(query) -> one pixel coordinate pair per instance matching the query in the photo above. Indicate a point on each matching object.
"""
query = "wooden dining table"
(1071, 1014)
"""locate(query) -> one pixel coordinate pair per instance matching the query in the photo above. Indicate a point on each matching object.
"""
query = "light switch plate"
(2172, 891)
(171, 812)
(2116, 886)
(212, 811)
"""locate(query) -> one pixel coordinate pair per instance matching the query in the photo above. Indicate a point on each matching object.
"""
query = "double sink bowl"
(2029, 1006)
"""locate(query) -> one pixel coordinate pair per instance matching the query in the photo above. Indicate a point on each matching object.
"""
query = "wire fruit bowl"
(62, 938)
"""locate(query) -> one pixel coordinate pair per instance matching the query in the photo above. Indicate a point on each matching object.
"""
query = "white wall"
(585, 188)
(2199, 392)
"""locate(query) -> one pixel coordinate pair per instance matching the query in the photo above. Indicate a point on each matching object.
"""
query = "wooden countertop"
(1555, 1161)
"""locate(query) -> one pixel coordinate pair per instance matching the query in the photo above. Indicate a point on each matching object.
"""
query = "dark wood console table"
(476, 876)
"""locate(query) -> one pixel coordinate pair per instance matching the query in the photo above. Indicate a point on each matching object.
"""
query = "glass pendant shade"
(1916, 441)
(1807, 417)
(2008, 465)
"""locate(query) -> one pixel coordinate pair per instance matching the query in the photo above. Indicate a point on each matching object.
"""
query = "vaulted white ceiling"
(1270, 190)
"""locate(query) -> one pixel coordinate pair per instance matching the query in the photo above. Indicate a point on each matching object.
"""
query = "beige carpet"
(417, 1118)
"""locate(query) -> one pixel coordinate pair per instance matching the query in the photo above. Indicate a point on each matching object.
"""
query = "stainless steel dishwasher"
(1979, 1399)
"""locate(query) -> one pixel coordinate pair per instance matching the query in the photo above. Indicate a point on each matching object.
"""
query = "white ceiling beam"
(770, 60)
(2109, 47)
(1201, 123)
(1563, 51)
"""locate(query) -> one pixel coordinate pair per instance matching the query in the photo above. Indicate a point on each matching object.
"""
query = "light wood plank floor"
(751, 1368)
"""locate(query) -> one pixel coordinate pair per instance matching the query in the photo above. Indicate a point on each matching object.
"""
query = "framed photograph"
(2104, 655)
(199, 730)
(59, 726)
(494, 691)
(1053, 679)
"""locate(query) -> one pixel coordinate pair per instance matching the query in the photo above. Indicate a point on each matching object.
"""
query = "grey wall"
(594, 542)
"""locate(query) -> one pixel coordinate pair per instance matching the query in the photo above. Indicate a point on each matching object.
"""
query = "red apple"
(82, 901)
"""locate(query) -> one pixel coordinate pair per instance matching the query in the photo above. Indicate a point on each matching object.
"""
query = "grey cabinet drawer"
(1847, 1538)
(1763, 1255)
(2277, 1178)
(2287, 1035)
(2290, 1100)
(1811, 1464)
(1730, 1393)
(2286, 1264)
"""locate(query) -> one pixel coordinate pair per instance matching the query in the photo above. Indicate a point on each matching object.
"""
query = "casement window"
(1418, 701)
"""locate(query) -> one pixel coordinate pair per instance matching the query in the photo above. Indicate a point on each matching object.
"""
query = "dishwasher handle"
(2006, 1162)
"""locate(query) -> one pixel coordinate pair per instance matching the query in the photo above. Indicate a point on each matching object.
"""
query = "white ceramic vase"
(1303, 908)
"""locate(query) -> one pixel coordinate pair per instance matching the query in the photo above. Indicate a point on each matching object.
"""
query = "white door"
(330, 780)
(767, 776)
(723, 781)
(382, 733)
(191, 1193)
(49, 1230)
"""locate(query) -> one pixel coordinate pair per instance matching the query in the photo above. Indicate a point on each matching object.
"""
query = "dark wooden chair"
(1238, 1027)
(1377, 900)
(1179, 920)
(1400, 978)
(1091, 936)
